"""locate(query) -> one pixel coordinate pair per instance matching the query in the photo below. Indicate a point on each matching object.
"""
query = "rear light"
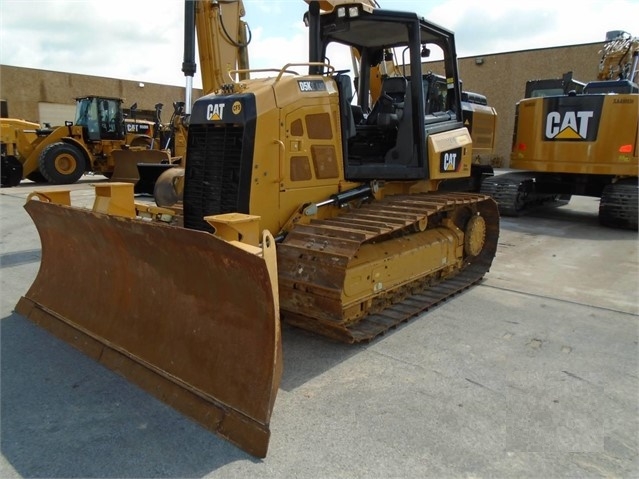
(625, 149)
(521, 147)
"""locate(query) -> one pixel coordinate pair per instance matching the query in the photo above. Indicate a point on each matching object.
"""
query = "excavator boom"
(222, 38)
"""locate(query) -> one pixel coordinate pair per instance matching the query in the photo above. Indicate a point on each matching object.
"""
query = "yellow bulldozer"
(62, 154)
(575, 139)
(293, 210)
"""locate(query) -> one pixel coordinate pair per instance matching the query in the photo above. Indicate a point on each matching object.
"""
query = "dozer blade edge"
(188, 317)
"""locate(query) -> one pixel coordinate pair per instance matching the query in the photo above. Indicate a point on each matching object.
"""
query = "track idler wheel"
(475, 235)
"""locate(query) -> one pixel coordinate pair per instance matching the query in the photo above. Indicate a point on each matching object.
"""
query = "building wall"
(25, 88)
(500, 77)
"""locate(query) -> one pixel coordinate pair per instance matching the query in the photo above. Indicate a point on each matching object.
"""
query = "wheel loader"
(62, 154)
(147, 174)
(293, 211)
(579, 140)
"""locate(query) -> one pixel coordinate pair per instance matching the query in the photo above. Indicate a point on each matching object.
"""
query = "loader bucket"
(149, 173)
(126, 163)
(190, 318)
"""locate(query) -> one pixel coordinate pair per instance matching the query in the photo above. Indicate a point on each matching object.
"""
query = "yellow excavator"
(578, 140)
(293, 210)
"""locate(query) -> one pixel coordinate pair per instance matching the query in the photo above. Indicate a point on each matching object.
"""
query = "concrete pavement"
(532, 373)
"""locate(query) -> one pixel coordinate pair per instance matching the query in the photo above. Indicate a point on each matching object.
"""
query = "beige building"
(502, 77)
(47, 96)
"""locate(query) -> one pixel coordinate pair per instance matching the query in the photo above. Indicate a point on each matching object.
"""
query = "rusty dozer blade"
(189, 317)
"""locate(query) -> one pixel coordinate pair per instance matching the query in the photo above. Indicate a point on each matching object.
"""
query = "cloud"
(493, 26)
(276, 51)
(264, 7)
(111, 39)
(141, 40)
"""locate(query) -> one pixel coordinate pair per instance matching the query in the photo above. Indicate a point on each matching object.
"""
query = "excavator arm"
(222, 40)
(619, 57)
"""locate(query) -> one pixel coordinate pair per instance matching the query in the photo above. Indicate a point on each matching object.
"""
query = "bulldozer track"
(313, 259)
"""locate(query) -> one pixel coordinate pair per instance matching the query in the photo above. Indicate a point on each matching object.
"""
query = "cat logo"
(215, 112)
(571, 118)
(450, 161)
(572, 125)
(137, 128)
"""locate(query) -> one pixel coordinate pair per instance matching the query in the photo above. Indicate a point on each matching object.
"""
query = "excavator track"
(314, 261)
(506, 192)
(514, 194)
(618, 207)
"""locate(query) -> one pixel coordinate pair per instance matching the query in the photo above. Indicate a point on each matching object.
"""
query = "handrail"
(280, 71)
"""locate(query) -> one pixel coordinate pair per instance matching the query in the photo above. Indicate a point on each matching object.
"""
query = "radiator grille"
(213, 172)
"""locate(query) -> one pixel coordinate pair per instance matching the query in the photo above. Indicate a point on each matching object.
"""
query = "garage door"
(55, 113)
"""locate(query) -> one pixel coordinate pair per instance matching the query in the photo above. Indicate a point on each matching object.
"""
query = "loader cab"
(386, 138)
(100, 118)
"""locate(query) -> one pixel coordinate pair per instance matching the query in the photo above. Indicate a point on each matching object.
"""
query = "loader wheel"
(11, 170)
(62, 164)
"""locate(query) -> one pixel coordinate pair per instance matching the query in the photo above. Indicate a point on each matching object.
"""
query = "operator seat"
(389, 107)
(345, 91)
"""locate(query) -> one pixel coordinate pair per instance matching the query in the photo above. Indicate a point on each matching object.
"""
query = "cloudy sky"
(141, 40)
